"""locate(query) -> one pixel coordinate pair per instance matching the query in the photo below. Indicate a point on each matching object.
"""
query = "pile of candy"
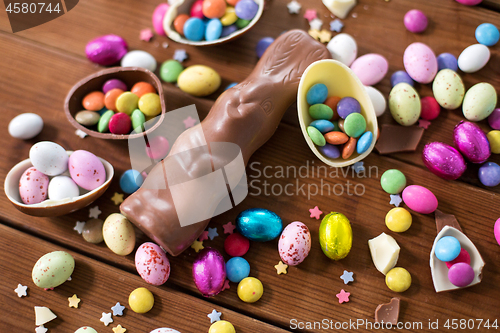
(457, 259)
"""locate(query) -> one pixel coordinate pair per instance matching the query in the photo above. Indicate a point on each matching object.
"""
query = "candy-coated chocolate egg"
(262, 46)
(464, 256)
(113, 84)
(335, 236)
(87, 118)
(398, 219)
(404, 104)
(63, 187)
(139, 58)
(92, 231)
(489, 174)
(420, 62)
(250, 290)
(179, 22)
(469, 2)
(354, 125)
(86, 170)
(448, 89)
(85, 329)
(150, 104)
(494, 139)
(237, 269)
(157, 18)
(294, 243)
(420, 199)
(164, 330)
(246, 9)
(103, 124)
(447, 60)
(49, 158)
(157, 147)
(106, 50)
(199, 80)
(317, 94)
(447, 248)
(93, 101)
(393, 181)
(479, 101)
(131, 181)
(349, 148)
(317, 138)
(152, 264)
(138, 119)
(194, 29)
(378, 100)
(213, 30)
(415, 21)
(141, 300)
(430, 108)
(236, 245)
(364, 142)
(496, 231)
(330, 151)
(214, 8)
(487, 34)
(259, 224)
(126, 102)
(119, 234)
(33, 186)
(324, 126)
(53, 269)
(222, 326)
(346, 106)
(120, 123)
(170, 70)
(25, 126)
(320, 111)
(473, 58)
(142, 88)
(370, 68)
(209, 272)
(461, 274)
(343, 48)
(197, 9)
(443, 160)
(110, 99)
(471, 141)
(401, 76)
(398, 279)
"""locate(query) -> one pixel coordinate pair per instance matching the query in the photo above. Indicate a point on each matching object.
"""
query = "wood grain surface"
(39, 66)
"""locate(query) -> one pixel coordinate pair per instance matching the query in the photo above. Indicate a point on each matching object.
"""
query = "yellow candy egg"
(150, 104)
(127, 102)
(199, 80)
(398, 279)
(222, 326)
(335, 236)
(141, 300)
(229, 17)
(250, 290)
(494, 139)
(398, 219)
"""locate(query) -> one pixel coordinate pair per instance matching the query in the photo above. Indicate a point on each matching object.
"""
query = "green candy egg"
(85, 329)
(479, 101)
(354, 125)
(53, 269)
(103, 124)
(320, 111)
(393, 181)
(170, 70)
(404, 104)
(138, 120)
(448, 89)
(241, 23)
(335, 236)
(316, 136)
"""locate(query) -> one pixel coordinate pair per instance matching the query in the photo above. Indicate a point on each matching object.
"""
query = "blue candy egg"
(237, 269)
(246, 9)
(487, 34)
(213, 30)
(489, 174)
(447, 61)
(130, 181)
(227, 30)
(330, 151)
(259, 224)
(262, 45)
(229, 86)
(364, 142)
(194, 29)
(324, 126)
(317, 94)
(447, 248)
(401, 76)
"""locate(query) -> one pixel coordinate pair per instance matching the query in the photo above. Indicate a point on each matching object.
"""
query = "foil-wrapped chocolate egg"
(335, 236)
(259, 224)
(443, 160)
(106, 50)
(209, 272)
(471, 141)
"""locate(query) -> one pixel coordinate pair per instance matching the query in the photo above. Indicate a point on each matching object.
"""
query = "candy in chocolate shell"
(471, 141)
(443, 160)
(209, 272)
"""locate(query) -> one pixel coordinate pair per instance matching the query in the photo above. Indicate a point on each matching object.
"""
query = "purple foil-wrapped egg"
(209, 272)
(471, 141)
(443, 160)
(106, 50)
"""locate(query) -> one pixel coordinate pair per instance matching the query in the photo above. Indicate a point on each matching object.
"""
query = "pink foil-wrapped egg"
(294, 244)
(443, 160)
(152, 264)
(86, 170)
(209, 272)
(33, 186)
(106, 50)
(157, 18)
(471, 141)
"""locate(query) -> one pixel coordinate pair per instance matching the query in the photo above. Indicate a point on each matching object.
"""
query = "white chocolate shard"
(43, 315)
(340, 8)
(385, 252)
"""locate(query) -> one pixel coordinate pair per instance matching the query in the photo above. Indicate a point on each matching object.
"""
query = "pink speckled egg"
(370, 68)
(33, 186)
(157, 18)
(294, 244)
(420, 199)
(420, 62)
(152, 264)
(86, 170)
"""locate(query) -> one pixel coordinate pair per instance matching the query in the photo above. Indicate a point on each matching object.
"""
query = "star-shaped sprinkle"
(336, 25)
(180, 55)
(354, 15)
(69, 279)
(324, 36)
(197, 246)
(21, 290)
(423, 123)
(189, 122)
(281, 268)
(73, 301)
(314, 33)
(226, 285)
(118, 309)
(94, 212)
(41, 329)
(106, 318)
(119, 329)
(343, 296)
(310, 14)
(347, 277)
(79, 227)
(203, 236)
(315, 212)
(146, 35)
(395, 200)
(80, 133)
(212, 233)
(228, 228)
(358, 167)
(214, 316)
(294, 7)
(117, 198)
(315, 24)
(164, 45)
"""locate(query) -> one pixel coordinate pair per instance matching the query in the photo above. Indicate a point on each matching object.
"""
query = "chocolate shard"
(443, 219)
(388, 312)
(398, 139)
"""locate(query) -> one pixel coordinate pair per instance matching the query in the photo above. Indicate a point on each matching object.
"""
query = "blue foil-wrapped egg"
(259, 224)
(209, 272)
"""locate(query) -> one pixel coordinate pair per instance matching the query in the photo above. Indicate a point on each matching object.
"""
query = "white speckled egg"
(448, 89)
(343, 48)
(294, 244)
(138, 58)
(53, 269)
(164, 330)
(86, 170)
(404, 104)
(152, 264)
(119, 234)
(62, 187)
(479, 101)
(473, 58)
(33, 186)
(420, 62)
(25, 126)
(378, 100)
(49, 158)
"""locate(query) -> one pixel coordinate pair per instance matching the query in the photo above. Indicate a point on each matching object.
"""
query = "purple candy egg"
(471, 141)
(415, 21)
(106, 50)
(401, 76)
(113, 84)
(447, 60)
(461, 274)
(494, 119)
(330, 151)
(443, 160)
(209, 272)
(227, 30)
(348, 105)
(262, 45)
(246, 9)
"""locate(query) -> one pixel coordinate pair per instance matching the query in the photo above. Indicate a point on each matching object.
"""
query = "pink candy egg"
(471, 141)
(197, 9)
(497, 231)
(294, 244)
(106, 50)
(420, 62)
(461, 274)
(469, 2)
(157, 18)
(415, 21)
(33, 186)
(420, 199)
(370, 68)
(157, 148)
(443, 160)
(120, 123)
(152, 264)
(209, 272)
(464, 256)
(86, 170)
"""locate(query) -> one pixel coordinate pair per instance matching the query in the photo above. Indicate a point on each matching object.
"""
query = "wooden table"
(38, 67)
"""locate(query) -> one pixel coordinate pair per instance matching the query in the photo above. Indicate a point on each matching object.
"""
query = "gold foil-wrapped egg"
(335, 236)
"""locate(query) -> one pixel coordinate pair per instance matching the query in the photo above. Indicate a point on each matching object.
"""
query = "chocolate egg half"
(471, 141)
(106, 50)
(209, 272)
(443, 160)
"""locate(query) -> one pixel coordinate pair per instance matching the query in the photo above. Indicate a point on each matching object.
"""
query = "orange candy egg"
(110, 98)
(232, 2)
(332, 102)
(214, 8)
(179, 23)
(94, 101)
(141, 88)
